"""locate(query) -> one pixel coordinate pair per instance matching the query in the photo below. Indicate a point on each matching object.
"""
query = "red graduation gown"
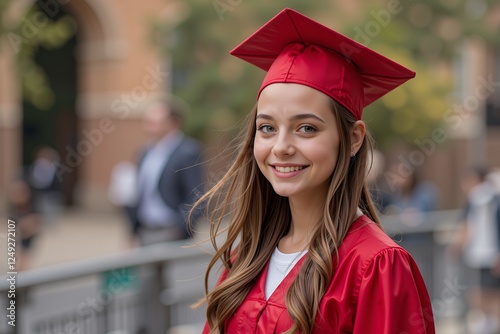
(376, 289)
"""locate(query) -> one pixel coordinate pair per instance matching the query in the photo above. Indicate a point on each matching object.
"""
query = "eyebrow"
(293, 118)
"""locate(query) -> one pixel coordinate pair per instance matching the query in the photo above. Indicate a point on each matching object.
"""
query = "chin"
(284, 192)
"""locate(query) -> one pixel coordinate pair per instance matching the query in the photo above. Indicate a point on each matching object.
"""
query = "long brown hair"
(259, 218)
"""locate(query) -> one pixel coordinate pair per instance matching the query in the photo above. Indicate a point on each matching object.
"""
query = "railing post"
(162, 312)
(156, 320)
(105, 320)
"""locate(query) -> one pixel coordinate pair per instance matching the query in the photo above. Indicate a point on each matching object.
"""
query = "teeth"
(287, 169)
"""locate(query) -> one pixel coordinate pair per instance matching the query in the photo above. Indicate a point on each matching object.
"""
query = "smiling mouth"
(288, 169)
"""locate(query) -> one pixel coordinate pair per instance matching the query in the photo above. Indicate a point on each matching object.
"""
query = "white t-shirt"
(279, 266)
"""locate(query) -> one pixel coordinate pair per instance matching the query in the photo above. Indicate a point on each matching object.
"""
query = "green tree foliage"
(4, 5)
(33, 31)
(428, 34)
(434, 29)
(414, 110)
(422, 35)
(219, 88)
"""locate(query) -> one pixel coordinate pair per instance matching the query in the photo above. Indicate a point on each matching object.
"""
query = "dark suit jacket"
(181, 182)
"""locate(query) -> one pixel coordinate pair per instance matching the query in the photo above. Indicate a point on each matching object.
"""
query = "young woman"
(304, 251)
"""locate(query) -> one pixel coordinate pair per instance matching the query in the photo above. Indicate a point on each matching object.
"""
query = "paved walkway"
(79, 235)
(76, 235)
(82, 234)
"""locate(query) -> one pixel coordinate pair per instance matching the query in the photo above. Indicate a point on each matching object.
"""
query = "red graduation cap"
(293, 48)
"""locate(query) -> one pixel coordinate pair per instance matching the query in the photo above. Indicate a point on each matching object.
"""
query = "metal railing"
(144, 290)
(427, 236)
(149, 289)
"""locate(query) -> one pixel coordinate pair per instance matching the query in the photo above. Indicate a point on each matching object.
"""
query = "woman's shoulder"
(366, 240)
(366, 253)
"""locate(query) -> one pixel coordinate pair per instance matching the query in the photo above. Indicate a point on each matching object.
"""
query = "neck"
(306, 214)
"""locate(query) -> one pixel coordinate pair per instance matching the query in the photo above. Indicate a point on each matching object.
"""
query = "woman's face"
(297, 141)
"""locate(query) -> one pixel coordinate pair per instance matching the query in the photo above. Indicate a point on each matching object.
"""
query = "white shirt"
(43, 173)
(152, 211)
(279, 266)
(122, 189)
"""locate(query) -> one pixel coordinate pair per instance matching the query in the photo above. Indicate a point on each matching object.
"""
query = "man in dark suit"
(170, 175)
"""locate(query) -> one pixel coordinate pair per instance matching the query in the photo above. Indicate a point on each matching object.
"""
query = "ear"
(358, 132)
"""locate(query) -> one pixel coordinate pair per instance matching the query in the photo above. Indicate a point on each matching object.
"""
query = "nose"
(283, 146)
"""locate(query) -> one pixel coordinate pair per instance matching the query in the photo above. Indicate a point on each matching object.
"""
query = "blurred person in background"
(27, 220)
(170, 175)
(479, 242)
(412, 198)
(45, 185)
(379, 192)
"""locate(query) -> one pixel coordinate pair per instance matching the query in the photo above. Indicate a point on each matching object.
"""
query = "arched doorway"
(52, 121)
(77, 75)
(106, 68)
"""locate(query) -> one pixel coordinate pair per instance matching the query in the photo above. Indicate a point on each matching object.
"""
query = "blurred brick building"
(105, 71)
(471, 123)
(110, 66)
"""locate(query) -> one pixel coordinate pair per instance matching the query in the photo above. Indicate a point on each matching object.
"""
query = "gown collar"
(279, 294)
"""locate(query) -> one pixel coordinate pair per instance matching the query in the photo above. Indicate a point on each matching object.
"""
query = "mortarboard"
(293, 48)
